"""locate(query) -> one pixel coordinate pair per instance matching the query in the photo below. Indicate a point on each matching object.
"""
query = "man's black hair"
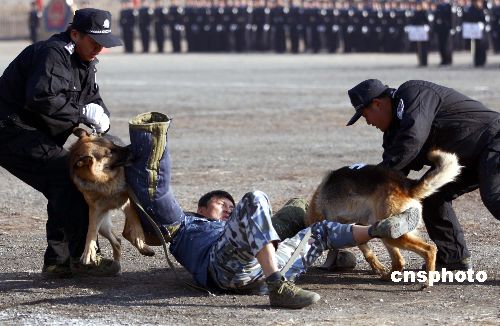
(203, 202)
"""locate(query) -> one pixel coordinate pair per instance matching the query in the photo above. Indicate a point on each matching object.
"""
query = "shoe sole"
(299, 306)
(403, 226)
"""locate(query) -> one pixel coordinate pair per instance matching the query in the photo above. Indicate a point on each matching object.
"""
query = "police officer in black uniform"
(475, 14)
(227, 25)
(44, 94)
(420, 18)
(344, 24)
(311, 21)
(260, 25)
(495, 26)
(208, 32)
(160, 19)
(221, 32)
(379, 27)
(295, 24)
(443, 25)
(277, 18)
(238, 27)
(351, 31)
(332, 24)
(419, 116)
(145, 19)
(34, 22)
(459, 43)
(365, 32)
(175, 25)
(127, 22)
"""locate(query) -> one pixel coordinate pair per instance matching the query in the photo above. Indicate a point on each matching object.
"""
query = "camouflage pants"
(232, 259)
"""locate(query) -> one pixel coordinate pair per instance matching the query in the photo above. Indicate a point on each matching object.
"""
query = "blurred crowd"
(311, 26)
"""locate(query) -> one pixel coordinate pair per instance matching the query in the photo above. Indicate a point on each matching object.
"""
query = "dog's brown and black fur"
(372, 193)
(96, 168)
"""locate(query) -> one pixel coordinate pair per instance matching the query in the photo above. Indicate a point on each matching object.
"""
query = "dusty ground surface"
(244, 122)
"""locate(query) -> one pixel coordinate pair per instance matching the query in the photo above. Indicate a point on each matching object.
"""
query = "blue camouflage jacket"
(192, 243)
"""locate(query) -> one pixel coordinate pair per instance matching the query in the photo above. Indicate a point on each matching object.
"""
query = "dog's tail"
(446, 169)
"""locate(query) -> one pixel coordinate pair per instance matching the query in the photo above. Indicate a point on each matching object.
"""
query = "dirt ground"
(246, 122)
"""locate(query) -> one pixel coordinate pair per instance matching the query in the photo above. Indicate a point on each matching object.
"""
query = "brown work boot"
(285, 294)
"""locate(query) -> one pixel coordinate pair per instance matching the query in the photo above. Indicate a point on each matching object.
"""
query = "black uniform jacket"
(426, 116)
(46, 86)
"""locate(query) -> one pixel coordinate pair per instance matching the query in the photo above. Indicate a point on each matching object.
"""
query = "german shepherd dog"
(372, 193)
(96, 168)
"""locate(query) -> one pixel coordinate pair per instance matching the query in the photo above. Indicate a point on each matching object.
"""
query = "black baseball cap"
(96, 23)
(362, 94)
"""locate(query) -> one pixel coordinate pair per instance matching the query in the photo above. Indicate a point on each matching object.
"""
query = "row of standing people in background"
(310, 26)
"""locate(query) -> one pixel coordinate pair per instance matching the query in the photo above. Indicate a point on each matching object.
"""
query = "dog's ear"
(83, 161)
(80, 132)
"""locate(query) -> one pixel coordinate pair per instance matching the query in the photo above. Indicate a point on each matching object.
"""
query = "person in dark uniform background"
(221, 32)
(241, 19)
(208, 32)
(193, 23)
(344, 22)
(457, 9)
(160, 20)
(127, 24)
(380, 23)
(45, 92)
(34, 22)
(443, 25)
(420, 18)
(421, 115)
(175, 25)
(145, 19)
(311, 32)
(277, 17)
(495, 26)
(260, 25)
(475, 14)
(332, 23)
(295, 25)
(364, 35)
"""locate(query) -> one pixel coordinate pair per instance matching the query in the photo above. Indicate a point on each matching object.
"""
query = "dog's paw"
(386, 277)
(89, 254)
(146, 250)
(380, 270)
(424, 286)
(138, 241)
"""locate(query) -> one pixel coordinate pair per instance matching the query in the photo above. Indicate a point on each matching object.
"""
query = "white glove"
(357, 166)
(95, 116)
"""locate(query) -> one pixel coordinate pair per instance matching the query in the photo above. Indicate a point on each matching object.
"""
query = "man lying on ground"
(231, 246)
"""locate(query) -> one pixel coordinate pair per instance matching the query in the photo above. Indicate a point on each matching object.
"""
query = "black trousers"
(145, 37)
(38, 161)
(438, 214)
(422, 53)
(128, 38)
(445, 44)
(175, 38)
(159, 37)
(480, 52)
